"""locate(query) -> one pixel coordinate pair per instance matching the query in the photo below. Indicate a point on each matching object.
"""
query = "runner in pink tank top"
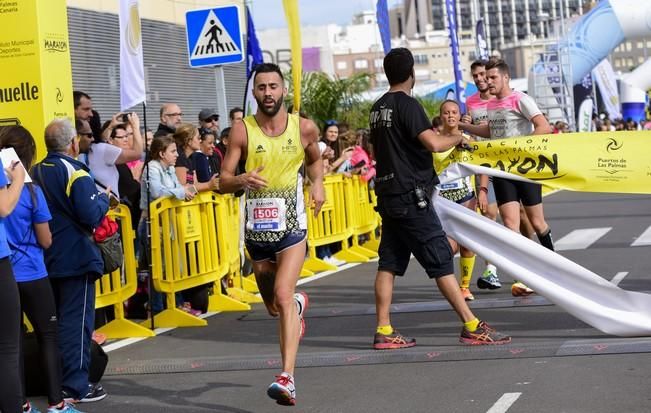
(514, 113)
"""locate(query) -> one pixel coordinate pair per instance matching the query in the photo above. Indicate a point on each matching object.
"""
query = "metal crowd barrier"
(198, 242)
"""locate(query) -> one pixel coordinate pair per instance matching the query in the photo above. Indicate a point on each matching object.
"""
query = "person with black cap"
(209, 119)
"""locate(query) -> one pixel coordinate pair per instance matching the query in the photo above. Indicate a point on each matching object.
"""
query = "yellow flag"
(616, 162)
(294, 26)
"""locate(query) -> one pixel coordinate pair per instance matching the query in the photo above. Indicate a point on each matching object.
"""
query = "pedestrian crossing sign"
(214, 36)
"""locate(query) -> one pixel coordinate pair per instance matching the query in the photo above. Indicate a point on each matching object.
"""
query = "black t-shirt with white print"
(403, 163)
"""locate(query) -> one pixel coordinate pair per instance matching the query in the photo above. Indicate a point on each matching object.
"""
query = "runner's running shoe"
(467, 295)
(489, 280)
(302, 302)
(392, 341)
(483, 335)
(520, 290)
(67, 408)
(282, 390)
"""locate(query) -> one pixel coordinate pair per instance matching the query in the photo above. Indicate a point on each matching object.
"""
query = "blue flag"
(382, 15)
(482, 43)
(253, 58)
(460, 91)
(253, 51)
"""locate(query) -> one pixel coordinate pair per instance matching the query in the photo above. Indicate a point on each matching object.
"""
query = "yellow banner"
(294, 26)
(36, 81)
(617, 162)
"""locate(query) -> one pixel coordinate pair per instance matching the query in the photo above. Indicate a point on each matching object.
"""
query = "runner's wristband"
(483, 188)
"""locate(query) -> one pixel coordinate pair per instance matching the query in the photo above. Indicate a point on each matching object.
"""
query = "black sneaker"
(95, 393)
(392, 341)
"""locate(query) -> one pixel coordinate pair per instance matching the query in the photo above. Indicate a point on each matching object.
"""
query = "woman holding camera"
(102, 157)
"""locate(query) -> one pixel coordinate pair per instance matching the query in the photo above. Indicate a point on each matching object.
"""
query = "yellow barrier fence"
(197, 242)
(240, 296)
(374, 243)
(188, 249)
(361, 213)
(115, 288)
(330, 226)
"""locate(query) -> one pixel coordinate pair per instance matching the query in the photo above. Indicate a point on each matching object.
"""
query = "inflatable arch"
(595, 35)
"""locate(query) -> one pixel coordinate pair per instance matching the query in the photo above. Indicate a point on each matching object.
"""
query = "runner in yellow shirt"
(275, 146)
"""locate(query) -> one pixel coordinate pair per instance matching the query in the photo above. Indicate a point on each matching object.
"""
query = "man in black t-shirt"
(403, 143)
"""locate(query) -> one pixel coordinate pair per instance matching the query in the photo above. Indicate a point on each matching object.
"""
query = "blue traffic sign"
(214, 36)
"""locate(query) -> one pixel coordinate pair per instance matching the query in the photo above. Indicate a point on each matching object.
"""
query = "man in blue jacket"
(74, 261)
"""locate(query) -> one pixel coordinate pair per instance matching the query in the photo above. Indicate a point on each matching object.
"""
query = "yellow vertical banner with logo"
(36, 80)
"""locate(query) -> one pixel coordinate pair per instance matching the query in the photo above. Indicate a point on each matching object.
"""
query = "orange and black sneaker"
(483, 335)
(392, 341)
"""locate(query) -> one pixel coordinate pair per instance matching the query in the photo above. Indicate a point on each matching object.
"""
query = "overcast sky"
(270, 14)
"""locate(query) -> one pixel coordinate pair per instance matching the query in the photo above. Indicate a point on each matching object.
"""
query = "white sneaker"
(302, 302)
(283, 390)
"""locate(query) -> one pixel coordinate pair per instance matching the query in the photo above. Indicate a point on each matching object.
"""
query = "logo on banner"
(133, 31)
(214, 36)
(613, 145)
(53, 45)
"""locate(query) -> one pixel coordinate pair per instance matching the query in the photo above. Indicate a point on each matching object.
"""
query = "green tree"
(324, 97)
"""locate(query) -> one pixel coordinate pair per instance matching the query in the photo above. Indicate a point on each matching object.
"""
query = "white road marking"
(644, 239)
(504, 403)
(618, 277)
(580, 239)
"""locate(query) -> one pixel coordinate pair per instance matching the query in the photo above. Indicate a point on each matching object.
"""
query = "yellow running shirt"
(275, 211)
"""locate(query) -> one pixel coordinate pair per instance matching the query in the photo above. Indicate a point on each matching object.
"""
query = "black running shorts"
(267, 251)
(407, 230)
(507, 190)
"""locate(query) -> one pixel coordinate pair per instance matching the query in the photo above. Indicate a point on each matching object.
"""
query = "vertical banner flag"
(460, 91)
(584, 116)
(482, 43)
(294, 26)
(382, 16)
(584, 104)
(253, 58)
(132, 72)
(605, 77)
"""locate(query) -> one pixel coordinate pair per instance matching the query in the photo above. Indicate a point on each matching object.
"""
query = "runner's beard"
(269, 112)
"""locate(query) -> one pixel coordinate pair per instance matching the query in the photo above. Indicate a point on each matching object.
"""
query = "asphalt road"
(555, 363)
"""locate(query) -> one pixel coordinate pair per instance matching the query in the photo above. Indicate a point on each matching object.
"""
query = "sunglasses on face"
(212, 119)
(85, 134)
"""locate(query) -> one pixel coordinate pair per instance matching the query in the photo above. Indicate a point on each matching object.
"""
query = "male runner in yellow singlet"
(275, 145)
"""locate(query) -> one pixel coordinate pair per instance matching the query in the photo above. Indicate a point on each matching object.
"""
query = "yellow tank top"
(274, 211)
